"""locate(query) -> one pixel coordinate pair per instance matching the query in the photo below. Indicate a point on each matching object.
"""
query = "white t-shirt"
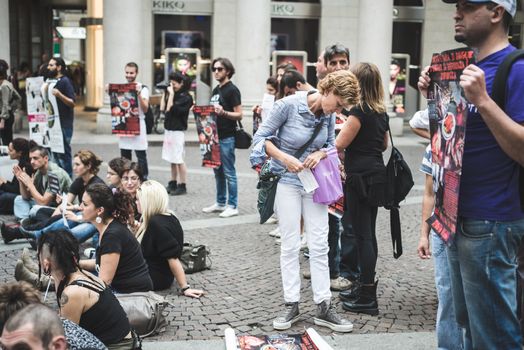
(138, 142)
(420, 120)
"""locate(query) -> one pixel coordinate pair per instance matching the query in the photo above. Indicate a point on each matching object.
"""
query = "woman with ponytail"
(82, 297)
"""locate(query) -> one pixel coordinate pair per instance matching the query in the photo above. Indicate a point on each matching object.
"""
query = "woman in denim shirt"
(291, 124)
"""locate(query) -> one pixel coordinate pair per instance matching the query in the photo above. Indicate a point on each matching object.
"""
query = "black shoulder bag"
(498, 94)
(242, 139)
(399, 183)
(268, 181)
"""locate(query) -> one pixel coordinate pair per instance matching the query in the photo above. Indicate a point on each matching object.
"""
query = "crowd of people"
(138, 240)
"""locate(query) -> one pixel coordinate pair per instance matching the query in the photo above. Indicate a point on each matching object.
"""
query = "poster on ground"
(54, 129)
(125, 118)
(448, 110)
(206, 123)
(308, 340)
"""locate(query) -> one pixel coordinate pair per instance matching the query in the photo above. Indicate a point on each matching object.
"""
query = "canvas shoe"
(340, 283)
(328, 317)
(275, 233)
(272, 220)
(229, 212)
(28, 261)
(214, 208)
(287, 318)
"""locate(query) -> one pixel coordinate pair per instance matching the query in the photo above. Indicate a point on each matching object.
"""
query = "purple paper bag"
(327, 174)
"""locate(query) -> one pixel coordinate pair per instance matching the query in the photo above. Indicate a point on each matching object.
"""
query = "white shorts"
(173, 149)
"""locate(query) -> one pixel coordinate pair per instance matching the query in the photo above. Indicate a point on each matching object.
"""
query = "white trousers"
(292, 203)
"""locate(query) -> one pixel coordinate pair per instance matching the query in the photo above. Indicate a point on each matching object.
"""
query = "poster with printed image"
(125, 118)
(38, 130)
(296, 58)
(35, 101)
(54, 129)
(186, 62)
(398, 82)
(206, 123)
(448, 110)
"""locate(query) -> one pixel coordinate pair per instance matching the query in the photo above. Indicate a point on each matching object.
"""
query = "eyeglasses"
(132, 178)
(220, 69)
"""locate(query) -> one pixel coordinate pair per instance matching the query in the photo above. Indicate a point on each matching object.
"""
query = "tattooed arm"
(72, 303)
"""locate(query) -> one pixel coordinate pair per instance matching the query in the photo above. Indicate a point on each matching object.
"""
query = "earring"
(47, 272)
(98, 219)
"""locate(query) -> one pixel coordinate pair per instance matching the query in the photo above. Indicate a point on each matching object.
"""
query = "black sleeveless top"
(106, 319)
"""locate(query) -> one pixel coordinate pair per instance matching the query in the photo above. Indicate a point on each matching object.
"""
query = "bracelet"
(183, 290)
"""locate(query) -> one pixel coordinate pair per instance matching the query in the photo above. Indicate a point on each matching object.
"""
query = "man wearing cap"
(491, 223)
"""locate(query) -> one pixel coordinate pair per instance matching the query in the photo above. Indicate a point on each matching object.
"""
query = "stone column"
(252, 52)
(339, 24)
(125, 26)
(375, 32)
(5, 51)
(94, 55)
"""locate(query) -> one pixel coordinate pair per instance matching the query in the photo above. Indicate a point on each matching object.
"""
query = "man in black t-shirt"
(228, 108)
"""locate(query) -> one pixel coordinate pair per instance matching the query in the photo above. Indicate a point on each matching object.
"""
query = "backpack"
(15, 100)
(498, 94)
(399, 183)
(149, 117)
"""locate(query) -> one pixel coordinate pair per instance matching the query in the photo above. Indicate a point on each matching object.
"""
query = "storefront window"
(185, 32)
(299, 35)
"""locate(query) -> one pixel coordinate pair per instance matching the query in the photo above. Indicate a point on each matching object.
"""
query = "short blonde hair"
(342, 83)
(371, 89)
(154, 200)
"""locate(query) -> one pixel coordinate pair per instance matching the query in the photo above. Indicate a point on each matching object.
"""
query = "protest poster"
(36, 112)
(54, 129)
(448, 110)
(125, 118)
(34, 100)
(308, 340)
(206, 123)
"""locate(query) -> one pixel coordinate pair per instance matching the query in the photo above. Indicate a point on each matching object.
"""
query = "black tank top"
(106, 319)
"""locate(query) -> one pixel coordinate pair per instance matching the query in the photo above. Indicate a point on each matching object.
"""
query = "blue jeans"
(81, 230)
(482, 261)
(449, 333)
(226, 175)
(349, 267)
(334, 246)
(141, 157)
(64, 160)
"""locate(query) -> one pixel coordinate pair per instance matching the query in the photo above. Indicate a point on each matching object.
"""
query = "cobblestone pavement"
(243, 287)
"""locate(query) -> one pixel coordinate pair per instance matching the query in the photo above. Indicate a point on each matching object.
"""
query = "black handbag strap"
(302, 149)
(240, 124)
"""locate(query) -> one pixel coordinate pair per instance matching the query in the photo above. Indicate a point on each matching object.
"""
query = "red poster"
(448, 109)
(206, 123)
(125, 118)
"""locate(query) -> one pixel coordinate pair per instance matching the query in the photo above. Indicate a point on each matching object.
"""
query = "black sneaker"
(288, 317)
(328, 317)
(10, 232)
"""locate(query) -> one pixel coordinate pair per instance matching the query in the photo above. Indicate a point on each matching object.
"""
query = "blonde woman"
(161, 238)
(291, 125)
(363, 138)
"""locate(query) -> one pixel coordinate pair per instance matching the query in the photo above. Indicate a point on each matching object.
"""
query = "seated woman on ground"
(161, 238)
(132, 178)
(119, 260)
(82, 297)
(115, 171)
(18, 149)
(85, 166)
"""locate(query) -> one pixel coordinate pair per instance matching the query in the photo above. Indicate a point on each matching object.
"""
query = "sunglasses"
(220, 69)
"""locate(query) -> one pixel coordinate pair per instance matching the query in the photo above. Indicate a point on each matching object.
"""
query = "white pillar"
(124, 41)
(94, 55)
(252, 51)
(339, 24)
(375, 32)
(5, 51)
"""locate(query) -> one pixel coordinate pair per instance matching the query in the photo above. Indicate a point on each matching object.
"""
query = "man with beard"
(64, 92)
(139, 142)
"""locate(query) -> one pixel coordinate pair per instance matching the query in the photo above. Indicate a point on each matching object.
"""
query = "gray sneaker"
(288, 317)
(328, 317)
